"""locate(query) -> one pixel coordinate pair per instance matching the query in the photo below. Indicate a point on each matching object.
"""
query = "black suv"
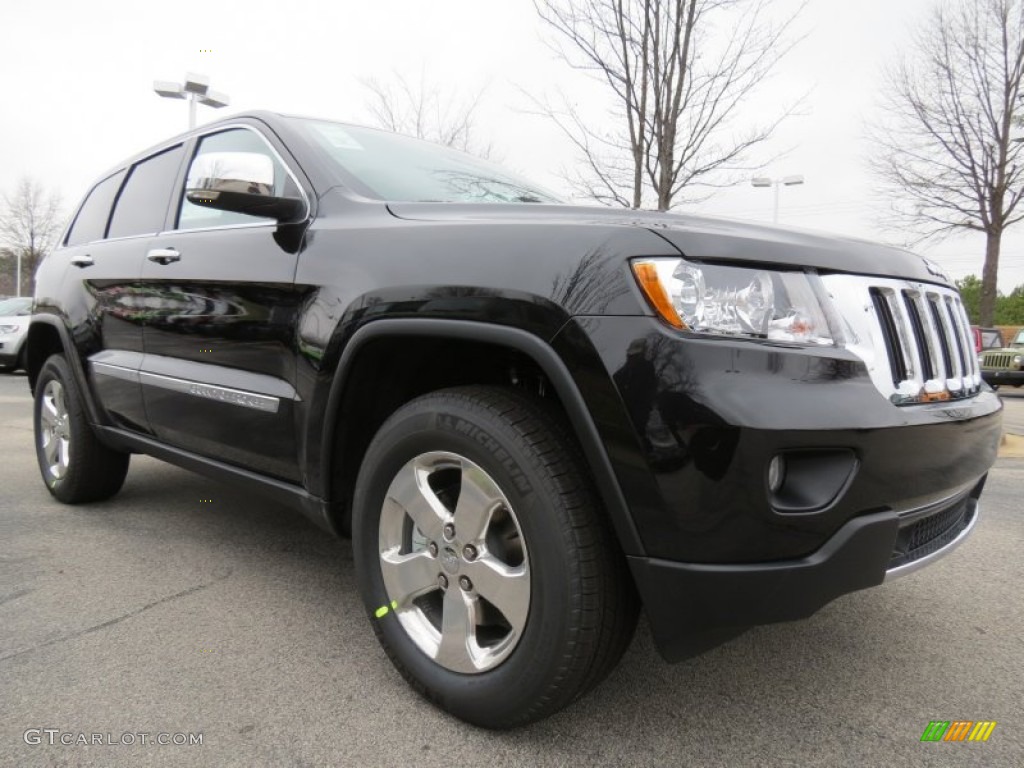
(531, 418)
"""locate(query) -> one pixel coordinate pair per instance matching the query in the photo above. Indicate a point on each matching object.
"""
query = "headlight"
(711, 298)
(9, 328)
(1017, 359)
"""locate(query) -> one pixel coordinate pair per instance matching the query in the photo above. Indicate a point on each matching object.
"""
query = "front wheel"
(75, 465)
(484, 559)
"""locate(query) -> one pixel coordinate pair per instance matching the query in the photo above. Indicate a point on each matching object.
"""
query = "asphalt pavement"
(183, 606)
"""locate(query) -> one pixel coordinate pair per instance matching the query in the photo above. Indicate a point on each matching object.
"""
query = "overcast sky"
(77, 89)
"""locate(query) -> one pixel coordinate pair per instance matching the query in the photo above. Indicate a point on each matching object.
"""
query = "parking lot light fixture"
(195, 90)
(787, 181)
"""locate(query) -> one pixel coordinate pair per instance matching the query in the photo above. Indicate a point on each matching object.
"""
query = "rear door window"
(142, 204)
(91, 221)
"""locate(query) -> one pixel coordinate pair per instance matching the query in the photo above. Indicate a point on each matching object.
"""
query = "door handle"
(83, 261)
(163, 255)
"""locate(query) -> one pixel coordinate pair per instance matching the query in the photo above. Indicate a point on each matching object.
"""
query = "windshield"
(404, 169)
(1019, 341)
(991, 339)
(16, 306)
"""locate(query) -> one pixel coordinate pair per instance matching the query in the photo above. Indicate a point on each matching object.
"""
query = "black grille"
(931, 533)
(997, 360)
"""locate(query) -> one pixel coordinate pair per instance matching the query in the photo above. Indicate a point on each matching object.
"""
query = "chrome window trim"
(170, 144)
(257, 225)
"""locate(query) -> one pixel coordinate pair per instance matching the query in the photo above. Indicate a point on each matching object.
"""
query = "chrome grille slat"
(941, 338)
(965, 327)
(961, 342)
(953, 343)
(914, 337)
(911, 353)
(924, 336)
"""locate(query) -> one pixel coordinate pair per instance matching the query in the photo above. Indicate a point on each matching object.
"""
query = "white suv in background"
(15, 314)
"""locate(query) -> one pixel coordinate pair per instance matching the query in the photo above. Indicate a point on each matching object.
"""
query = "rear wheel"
(484, 559)
(75, 465)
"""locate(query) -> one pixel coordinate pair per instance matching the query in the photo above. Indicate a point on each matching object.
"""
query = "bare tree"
(30, 223)
(946, 147)
(424, 111)
(678, 72)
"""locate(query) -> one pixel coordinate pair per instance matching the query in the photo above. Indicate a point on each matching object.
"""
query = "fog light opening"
(776, 473)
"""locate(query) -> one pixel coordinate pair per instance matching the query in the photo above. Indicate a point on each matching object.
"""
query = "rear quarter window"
(91, 222)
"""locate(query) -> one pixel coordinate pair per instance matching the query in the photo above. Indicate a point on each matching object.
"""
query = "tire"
(550, 603)
(76, 467)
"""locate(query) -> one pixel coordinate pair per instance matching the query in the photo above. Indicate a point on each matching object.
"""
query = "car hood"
(704, 237)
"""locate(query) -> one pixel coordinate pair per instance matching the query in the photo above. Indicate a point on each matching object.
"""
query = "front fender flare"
(542, 354)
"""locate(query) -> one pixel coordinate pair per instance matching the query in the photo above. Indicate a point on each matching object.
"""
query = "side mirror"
(241, 182)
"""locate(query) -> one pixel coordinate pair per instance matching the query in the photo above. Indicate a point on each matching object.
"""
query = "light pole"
(196, 88)
(788, 181)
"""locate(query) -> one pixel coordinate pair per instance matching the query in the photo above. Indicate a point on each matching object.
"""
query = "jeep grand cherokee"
(531, 418)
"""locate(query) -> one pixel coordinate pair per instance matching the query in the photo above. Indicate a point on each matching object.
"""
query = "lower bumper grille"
(924, 536)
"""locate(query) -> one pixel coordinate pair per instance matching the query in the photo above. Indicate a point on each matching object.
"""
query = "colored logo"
(958, 730)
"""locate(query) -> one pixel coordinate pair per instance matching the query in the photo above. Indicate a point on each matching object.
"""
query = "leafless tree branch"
(30, 222)
(424, 111)
(678, 72)
(945, 150)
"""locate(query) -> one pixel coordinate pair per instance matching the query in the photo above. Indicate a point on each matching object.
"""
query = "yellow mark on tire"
(381, 612)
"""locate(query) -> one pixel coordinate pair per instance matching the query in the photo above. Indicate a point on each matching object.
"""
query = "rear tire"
(540, 609)
(76, 467)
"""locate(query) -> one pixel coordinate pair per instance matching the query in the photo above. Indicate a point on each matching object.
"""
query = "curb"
(1011, 447)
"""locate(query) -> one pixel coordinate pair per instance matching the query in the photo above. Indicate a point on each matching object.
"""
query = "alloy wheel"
(454, 562)
(55, 431)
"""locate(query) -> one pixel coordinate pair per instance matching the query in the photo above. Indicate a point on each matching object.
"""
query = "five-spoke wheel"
(454, 562)
(76, 466)
(55, 433)
(483, 558)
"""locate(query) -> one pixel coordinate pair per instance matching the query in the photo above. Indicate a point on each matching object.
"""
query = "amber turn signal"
(647, 276)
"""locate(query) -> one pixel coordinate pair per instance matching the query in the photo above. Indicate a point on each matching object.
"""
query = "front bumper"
(692, 426)
(10, 349)
(702, 605)
(1016, 378)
